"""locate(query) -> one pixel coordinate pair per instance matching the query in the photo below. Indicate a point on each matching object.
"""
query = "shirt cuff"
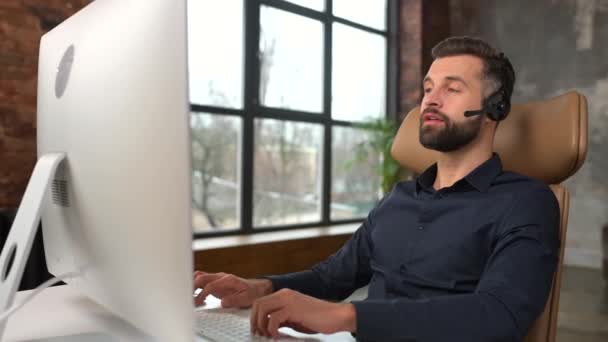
(371, 319)
(295, 281)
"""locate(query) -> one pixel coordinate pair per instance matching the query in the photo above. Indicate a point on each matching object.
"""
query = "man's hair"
(497, 70)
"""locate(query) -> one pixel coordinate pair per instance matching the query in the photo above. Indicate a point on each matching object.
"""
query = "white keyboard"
(226, 325)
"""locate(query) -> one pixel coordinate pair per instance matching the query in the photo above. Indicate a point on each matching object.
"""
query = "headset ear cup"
(498, 112)
(497, 106)
(504, 110)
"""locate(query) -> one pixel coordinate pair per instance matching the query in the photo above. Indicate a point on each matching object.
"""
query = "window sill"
(269, 237)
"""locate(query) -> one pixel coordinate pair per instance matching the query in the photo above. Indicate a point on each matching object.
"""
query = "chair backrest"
(546, 140)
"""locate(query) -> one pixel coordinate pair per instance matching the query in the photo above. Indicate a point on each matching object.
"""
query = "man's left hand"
(288, 308)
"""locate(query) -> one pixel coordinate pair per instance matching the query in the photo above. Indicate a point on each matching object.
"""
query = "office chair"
(546, 140)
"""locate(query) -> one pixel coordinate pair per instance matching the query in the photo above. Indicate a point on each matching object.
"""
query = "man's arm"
(335, 278)
(340, 274)
(511, 294)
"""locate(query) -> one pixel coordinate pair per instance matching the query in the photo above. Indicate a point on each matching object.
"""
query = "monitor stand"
(18, 245)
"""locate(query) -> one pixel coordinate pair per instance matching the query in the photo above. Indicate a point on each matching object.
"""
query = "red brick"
(410, 54)
(21, 26)
(11, 4)
(18, 17)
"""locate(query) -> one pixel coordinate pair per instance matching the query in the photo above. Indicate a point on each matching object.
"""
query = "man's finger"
(203, 279)
(210, 289)
(266, 306)
(199, 300)
(195, 276)
(275, 321)
(222, 287)
(262, 321)
(238, 300)
(253, 317)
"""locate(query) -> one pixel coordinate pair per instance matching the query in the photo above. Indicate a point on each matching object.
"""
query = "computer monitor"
(113, 96)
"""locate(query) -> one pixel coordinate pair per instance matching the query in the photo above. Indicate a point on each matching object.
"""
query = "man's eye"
(453, 90)
(427, 90)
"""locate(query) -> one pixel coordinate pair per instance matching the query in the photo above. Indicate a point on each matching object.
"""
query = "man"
(466, 252)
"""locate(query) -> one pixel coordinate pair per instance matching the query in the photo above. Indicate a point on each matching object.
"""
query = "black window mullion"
(358, 26)
(392, 59)
(327, 88)
(294, 8)
(215, 110)
(281, 114)
(251, 34)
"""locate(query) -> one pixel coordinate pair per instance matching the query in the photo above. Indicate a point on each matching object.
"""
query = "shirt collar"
(426, 179)
(480, 178)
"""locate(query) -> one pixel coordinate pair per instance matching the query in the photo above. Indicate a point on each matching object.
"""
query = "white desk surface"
(61, 314)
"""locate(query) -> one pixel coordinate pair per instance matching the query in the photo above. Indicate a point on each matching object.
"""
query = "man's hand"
(288, 308)
(232, 290)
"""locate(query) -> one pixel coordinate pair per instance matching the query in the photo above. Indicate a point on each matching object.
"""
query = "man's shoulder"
(401, 188)
(527, 194)
(402, 191)
(409, 184)
(520, 184)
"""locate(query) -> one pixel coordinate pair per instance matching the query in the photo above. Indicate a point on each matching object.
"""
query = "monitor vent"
(59, 190)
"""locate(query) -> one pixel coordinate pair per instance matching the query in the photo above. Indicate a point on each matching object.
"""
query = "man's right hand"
(230, 289)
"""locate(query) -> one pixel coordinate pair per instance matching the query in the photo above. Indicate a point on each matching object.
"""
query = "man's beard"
(452, 136)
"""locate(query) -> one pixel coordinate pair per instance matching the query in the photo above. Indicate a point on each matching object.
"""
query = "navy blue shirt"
(470, 262)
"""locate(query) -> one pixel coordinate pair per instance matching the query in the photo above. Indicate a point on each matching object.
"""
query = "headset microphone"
(474, 112)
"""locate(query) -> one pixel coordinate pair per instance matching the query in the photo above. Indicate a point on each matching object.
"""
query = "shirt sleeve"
(510, 296)
(339, 275)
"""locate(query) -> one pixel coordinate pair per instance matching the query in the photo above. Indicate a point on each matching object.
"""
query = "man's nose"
(432, 98)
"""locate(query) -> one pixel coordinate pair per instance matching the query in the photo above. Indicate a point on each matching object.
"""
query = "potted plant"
(383, 133)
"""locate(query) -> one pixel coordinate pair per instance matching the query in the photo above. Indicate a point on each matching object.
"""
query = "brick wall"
(22, 23)
(410, 54)
(422, 24)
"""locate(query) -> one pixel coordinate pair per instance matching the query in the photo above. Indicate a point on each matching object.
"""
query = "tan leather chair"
(546, 140)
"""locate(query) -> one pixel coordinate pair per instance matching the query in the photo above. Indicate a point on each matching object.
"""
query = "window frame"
(252, 109)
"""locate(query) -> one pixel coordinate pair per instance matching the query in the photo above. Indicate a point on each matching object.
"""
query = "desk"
(61, 314)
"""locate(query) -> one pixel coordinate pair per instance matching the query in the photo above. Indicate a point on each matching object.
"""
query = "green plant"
(382, 135)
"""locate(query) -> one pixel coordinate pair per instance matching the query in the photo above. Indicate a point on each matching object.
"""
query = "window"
(216, 60)
(277, 88)
(287, 172)
(291, 61)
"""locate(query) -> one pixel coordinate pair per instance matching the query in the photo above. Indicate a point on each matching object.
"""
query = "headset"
(495, 106)
(498, 105)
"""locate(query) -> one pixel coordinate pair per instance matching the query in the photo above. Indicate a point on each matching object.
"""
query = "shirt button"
(420, 227)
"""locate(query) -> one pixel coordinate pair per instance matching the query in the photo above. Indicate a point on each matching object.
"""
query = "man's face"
(452, 86)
